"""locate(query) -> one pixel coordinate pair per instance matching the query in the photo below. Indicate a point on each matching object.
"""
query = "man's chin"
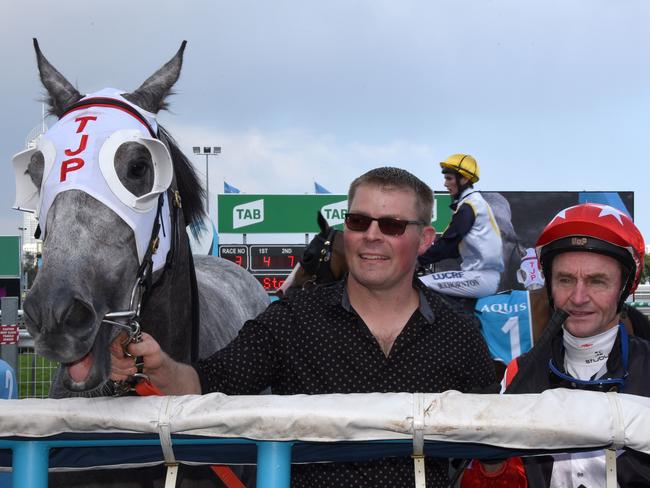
(586, 327)
(581, 326)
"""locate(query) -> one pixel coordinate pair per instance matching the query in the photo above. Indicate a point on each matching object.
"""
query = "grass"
(34, 375)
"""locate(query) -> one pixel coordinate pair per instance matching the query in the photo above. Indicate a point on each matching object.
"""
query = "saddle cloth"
(506, 324)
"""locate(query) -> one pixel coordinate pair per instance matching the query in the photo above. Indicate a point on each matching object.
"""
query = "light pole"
(207, 151)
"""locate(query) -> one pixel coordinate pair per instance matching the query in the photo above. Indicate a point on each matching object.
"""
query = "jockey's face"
(587, 286)
(378, 261)
(452, 182)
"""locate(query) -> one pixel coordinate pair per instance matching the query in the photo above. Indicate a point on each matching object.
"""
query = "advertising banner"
(278, 214)
(9, 256)
(523, 215)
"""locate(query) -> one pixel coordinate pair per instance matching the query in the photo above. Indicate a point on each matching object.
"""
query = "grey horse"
(90, 263)
(513, 251)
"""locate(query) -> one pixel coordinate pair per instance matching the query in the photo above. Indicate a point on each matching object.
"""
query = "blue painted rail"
(31, 457)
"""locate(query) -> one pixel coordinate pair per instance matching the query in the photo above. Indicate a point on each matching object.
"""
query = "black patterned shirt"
(313, 342)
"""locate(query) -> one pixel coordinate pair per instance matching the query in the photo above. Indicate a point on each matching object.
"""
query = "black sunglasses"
(387, 225)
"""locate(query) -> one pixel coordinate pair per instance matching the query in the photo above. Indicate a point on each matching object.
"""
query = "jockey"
(473, 235)
(592, 258)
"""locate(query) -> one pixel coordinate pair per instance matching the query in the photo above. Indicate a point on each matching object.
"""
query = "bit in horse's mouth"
(80, 369)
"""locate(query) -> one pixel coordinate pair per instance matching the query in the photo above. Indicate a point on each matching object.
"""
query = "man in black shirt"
(379, 330)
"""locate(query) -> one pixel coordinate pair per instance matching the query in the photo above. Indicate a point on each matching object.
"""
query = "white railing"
(283, 427)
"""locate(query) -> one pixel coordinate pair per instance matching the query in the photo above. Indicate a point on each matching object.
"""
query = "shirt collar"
(424, 308)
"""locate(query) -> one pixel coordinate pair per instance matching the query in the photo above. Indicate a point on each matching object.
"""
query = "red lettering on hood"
(81, 148)
(70, 165)
(75, 164)
(83, 120)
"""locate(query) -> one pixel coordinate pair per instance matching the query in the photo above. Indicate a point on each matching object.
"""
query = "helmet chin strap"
(460, 186)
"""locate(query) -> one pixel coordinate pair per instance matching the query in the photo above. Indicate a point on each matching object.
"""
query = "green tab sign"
(243, 214)
(277, 214)
(10, 256)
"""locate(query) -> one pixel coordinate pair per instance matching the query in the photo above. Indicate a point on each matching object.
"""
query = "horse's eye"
(138, 169)
(35, 168)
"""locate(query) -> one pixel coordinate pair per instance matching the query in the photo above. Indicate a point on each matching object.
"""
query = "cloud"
(288, 161)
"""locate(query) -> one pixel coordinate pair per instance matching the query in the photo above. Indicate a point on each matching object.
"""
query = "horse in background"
(103, 273)
(324, 262)
(513, 250)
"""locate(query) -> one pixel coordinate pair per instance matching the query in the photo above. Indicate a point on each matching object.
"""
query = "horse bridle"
(129, 320)
(321, 269)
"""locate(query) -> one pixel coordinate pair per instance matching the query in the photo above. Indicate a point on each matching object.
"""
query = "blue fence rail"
(31, 457)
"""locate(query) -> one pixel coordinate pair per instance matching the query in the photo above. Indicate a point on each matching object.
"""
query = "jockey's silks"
(79, 153)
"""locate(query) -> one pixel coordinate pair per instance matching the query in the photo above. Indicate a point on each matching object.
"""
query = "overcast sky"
(547, 95)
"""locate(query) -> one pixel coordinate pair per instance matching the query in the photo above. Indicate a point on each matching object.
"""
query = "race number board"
(269, 263)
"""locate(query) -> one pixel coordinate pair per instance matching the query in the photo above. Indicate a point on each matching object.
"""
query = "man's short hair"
(389, 178)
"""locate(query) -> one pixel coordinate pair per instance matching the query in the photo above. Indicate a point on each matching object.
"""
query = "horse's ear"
(61, 94)
(152, 93)
(322, 223)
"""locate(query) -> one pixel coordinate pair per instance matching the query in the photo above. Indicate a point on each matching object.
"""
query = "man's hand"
(123, 365)
(166, 374)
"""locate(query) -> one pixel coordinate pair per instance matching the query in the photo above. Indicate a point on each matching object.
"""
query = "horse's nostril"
(78, 314)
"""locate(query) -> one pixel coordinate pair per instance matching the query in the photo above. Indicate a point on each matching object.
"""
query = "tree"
(645, 275)
(30, 267)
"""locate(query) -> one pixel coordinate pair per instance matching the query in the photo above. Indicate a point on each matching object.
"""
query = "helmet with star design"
(591, 227)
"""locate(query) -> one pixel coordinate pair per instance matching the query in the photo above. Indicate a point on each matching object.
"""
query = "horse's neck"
(167, 312)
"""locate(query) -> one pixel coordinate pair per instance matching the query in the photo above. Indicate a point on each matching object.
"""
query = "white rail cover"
(555, 419)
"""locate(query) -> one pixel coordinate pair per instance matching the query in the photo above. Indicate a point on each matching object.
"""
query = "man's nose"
(373, 232)
(580, 293)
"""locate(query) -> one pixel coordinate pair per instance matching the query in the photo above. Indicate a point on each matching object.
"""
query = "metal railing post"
(30, 464)
(274, 464)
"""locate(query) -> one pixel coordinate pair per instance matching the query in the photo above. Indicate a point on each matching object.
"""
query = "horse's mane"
(189, 186)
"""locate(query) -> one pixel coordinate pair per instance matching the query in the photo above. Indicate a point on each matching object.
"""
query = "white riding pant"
(471, 284)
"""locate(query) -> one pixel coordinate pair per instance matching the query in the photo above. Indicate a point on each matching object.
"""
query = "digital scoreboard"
(269, 263)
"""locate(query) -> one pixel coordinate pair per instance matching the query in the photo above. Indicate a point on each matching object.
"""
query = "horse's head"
(98, 182)
(323, 260)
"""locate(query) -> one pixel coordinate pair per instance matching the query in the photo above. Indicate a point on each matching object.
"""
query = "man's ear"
(427, 238)
(463, 181)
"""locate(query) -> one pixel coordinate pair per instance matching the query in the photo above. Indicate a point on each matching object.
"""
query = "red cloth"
(511, 475)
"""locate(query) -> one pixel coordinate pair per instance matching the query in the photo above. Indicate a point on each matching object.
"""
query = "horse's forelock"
(189, 186)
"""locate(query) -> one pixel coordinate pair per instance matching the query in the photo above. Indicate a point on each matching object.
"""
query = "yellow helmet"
(463, 164)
